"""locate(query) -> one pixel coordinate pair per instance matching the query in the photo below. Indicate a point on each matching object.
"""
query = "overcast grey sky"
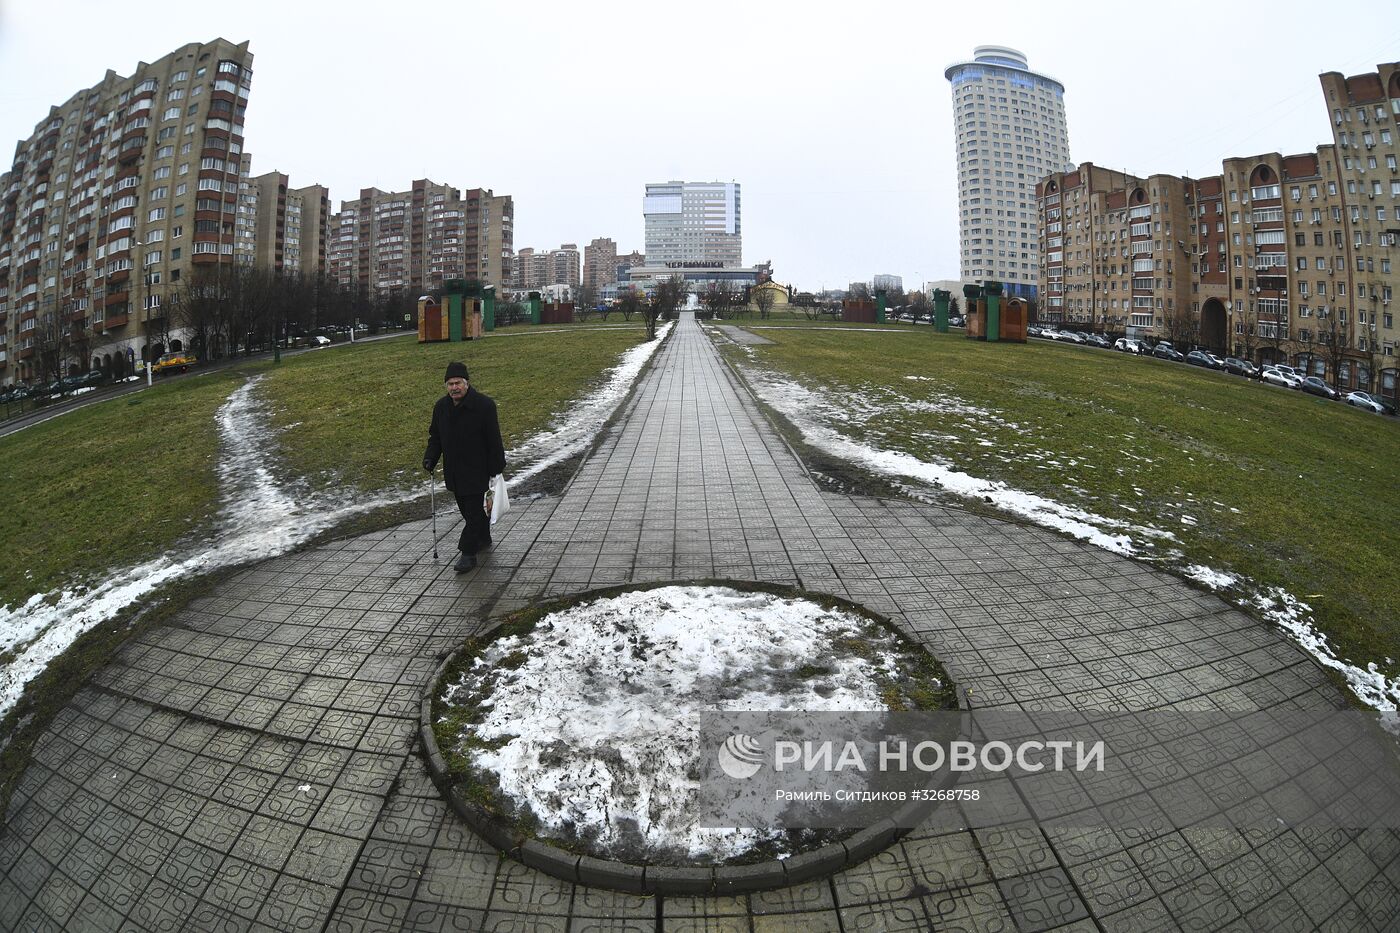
(837, 121)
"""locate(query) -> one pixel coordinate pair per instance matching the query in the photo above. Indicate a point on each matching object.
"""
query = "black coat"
(468, 438)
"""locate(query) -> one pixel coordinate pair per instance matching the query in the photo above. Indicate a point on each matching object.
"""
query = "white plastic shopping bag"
(497, 499)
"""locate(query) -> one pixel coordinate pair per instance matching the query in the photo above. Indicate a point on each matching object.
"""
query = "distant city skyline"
(845, 169)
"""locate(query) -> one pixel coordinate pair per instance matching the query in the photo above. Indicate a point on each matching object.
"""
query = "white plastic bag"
(497, 499)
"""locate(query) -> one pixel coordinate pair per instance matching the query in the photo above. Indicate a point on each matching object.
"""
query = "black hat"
(456, 371)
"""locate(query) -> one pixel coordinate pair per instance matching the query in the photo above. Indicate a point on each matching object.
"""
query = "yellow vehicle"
(177, 362)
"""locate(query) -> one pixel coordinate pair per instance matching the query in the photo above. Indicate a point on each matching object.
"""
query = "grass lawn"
(785, 317)
(109, 485)
(1287, 489)
(117, 483)
(359, 416)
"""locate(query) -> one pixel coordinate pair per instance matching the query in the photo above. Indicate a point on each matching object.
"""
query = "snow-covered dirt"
(597, 706)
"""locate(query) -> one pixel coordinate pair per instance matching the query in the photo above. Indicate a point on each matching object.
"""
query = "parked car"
(177, 362)
(320, 341)
(1315, 385)
(1164, 351)
(1128, 345)
(1098, 340)
(1205, 358)
(1275, 376)
(1241, 367)
(956, 320)
(1365, 400)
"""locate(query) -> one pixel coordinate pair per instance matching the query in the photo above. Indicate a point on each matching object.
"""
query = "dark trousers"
(476, 533)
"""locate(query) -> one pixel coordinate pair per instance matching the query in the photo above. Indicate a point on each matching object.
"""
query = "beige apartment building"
(417, 239)
(1113, 251)
(535, 269)
(1365, 116)
(1280, 258)
(291, 226)
(122, 194)
(600, 263)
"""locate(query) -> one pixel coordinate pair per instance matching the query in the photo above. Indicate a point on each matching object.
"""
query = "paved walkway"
(252, 764)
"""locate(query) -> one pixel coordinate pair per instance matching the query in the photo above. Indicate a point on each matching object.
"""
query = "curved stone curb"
(716, 880)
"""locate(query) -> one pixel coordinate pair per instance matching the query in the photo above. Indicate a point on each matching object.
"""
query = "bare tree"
(919, 305)
(1182, 326)
(666, 299)
(1335, 339)
(50, 346)
(629, 303)
(586, 296)
(718, 297)
(763, 300)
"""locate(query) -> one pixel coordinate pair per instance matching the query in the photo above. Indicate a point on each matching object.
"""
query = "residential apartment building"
(600, 263)
(1365, 117)
(417, 239)
(124, 192)
(625, 264)
(687, 221)
(1010, 132)
(292, 225)
(535, 269)
(245, 223)
(1113, 248)
(1279, 258)
(887, 283)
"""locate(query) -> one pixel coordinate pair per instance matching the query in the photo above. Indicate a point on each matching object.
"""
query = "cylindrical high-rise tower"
(1010, 124)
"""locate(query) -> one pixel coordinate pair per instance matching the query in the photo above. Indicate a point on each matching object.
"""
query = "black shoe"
(464, 563)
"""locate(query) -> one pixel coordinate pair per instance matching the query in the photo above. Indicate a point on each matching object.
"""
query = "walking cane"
(432, 506)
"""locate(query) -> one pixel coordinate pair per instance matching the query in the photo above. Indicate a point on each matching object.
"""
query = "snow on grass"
(260, 518)
(597, 706)
(574, 433)
(1210, 578)
(807, 410)
(1293, 615)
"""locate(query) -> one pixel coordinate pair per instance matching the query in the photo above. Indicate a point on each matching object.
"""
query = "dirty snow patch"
(1211, 578)
(1294, 616)
(597, 706)
(803, 407)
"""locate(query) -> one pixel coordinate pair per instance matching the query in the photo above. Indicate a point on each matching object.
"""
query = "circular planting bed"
(569, 735)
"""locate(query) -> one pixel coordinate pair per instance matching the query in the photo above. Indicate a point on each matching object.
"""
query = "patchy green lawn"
(359, 416)
(1284, 488)
(119, 482)
(109, 485)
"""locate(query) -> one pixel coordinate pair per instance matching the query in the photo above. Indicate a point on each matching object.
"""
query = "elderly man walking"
(465, 433)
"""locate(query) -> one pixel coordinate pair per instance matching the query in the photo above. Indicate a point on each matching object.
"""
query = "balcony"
(117, 321)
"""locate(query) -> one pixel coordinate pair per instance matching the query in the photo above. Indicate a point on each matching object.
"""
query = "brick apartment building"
(1277, 259)
(121, 194)
(415, 240)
